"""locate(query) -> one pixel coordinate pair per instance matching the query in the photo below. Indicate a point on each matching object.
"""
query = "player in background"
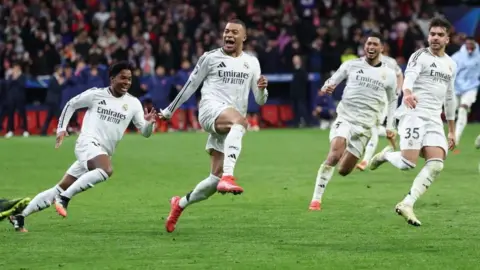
(467, 81)
(227, 74)
(429, 84)
(109, 113)
(368, 81)
(380, 130)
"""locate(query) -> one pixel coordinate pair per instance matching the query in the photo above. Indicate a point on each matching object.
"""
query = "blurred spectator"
(188, 110)
(15, 100)
(299, 92)
(324, 110)
(54, 97)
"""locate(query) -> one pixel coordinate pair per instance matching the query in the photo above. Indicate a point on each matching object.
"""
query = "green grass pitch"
(120, 224)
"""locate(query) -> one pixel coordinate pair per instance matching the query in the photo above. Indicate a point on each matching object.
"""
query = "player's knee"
(240, 121)
(108, 171)
(435, 165)
(333, 158)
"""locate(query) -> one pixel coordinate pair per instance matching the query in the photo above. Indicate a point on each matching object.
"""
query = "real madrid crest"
(384, 76)
(125, 107)
(246, 65)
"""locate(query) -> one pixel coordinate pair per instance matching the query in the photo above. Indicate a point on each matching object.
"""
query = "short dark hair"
(238, 21)
(118, 67)
(470, 38)
(376, 35)
(440, 22)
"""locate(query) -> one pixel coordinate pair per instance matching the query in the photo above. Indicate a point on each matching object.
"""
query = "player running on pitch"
(368, 81)
(429, 84)
(467, 81)
(380, 130)
(109, 113)
(227, 74)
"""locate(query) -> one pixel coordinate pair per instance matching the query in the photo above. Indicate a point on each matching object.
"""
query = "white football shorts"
(356, 136)
(416, 132)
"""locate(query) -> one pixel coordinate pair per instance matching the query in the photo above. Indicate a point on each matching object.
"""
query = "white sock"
(423, 180)
(42, 200)
(201, 192)
(382, 131)
(371, 146)
(233, 146)
(86, 181)
(396, 159)
(461, 122)
(323, 176)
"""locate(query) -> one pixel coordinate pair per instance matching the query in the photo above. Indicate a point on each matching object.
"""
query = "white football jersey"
(431, 78)
(107, 116)
(225, 79)
(363, 98)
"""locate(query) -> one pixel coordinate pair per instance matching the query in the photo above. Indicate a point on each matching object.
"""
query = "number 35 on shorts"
(411, 133)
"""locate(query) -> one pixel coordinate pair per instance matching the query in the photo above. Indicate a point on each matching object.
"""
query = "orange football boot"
(175, 212)
(227, 185)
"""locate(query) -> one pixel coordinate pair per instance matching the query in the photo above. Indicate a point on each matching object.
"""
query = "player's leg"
(234, 125)
(434, 157)
(477, 142)
(12, 207)
(339, 134)
(411, 130)
(99, 168)
(206, 188)
(466, 101)
(44, 199)
(369, 149)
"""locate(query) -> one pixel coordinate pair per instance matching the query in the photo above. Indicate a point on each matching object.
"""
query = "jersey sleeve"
(139, 121)
(414, 68)
(450, 100)
(392, 101)
(83, 100)
(339, 75)
(261, 95)
(194, 80)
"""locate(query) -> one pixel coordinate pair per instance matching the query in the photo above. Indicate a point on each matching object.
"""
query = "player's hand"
(262, 82)
(391, 135)
(409, 99)
(150, 116)
(451, 141)
(60, 136)
(329, 89)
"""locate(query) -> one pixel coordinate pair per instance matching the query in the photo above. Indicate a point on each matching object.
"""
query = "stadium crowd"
(75, 40)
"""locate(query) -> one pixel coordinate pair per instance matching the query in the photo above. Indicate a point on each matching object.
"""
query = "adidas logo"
(360, 71)
(233, 156)
(102, 102)
(433, 65)
(222, 65)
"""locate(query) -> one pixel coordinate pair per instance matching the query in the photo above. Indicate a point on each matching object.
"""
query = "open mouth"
(125, 88)
(229, 43)
(371, 53)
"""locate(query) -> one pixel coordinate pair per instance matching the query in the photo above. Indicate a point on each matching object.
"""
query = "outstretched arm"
(194, 81)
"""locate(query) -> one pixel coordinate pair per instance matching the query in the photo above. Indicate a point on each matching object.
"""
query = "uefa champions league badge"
(125, 107)
(412, 64)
